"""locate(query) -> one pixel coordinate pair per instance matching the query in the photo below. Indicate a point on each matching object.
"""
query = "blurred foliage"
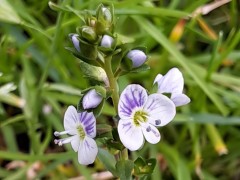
(39, 78)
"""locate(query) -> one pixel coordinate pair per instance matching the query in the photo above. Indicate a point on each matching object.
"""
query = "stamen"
(56, 133)
(60, 142)
(139, 117)
(57, 141)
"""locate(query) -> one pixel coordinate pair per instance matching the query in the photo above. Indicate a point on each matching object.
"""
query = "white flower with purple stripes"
(140, 113)
(82, 127)
(173, 83)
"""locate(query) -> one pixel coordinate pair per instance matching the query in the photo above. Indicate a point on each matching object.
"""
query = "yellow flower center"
(81, 132)
(139, 116)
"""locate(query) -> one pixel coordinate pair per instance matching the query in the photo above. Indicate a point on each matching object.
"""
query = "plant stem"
(112, 82)
(115, 97)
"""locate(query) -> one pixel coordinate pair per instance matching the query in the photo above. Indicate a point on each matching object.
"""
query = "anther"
(56, 133)
(59, 142)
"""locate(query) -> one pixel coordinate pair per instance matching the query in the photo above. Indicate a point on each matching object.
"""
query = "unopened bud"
(91, 99)
(89, 34)
(105, 14)
(75, 41)
(138, 57)
(104, 20)
(107, 41)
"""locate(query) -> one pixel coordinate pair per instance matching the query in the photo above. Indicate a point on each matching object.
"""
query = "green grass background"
(39, 79)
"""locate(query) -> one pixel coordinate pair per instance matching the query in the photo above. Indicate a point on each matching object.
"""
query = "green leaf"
(108, 160)
(144, 67)
(84, 58)
(56, 7)
(152, 11)
(62, 88)
(124, 169)
(93, 72)
(8, 14)
(103, 128)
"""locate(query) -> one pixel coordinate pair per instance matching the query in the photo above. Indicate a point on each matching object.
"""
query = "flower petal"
(160, 109)
(158, 79)
(172, 82)
(71, 120)
(130, 135)
(88, 121)
(180, 99)
(107, 41)
(133, 96)
(87, 151)
(75, 142)
(151, 133)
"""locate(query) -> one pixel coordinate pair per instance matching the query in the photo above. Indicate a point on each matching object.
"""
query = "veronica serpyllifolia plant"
(103, 59)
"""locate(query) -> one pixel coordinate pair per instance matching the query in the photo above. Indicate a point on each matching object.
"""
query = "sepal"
(88, 33)
(82, 49)
(144, 167)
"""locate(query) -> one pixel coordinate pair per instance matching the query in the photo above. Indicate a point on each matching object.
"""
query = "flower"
(91, 99)
(140, 113)
(75, 41)
(82, 127)
(172, 83)
(137, 57)
(107, 41)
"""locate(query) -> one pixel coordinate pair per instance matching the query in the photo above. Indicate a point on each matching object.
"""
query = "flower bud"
(104, 20)
(75, 41)
(107, 41)
(137, 57)
(105, 15)
(89, 34)
(91, 99)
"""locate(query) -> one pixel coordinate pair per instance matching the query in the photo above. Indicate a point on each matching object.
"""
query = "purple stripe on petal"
(128, 126)
(87, 120)
(152, 105)
(86, 144)
(82, 116)
(133, 96)
(90, 128)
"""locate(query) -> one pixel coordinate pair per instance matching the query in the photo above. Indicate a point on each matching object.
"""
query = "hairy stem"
(115, 96)
(112, 82)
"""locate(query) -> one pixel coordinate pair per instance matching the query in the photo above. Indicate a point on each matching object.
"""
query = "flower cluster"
(103, 60)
